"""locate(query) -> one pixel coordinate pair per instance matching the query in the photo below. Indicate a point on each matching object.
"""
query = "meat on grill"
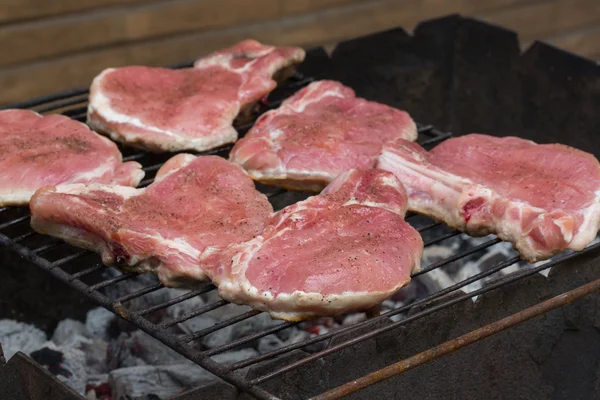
(51, 150)
(348, 248)
(196, 204)
(542, 198)
(161, 109)
(318, 133)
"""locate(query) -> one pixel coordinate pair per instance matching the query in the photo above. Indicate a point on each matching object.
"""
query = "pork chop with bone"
(318, 133)
(51, 150)
(194, 204)
(347, 249)
(544, 198)
(162, 109)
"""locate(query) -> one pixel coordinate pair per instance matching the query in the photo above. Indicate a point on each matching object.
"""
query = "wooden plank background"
(54, 45)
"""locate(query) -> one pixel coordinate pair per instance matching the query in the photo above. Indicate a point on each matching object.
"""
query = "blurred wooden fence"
(51, 45)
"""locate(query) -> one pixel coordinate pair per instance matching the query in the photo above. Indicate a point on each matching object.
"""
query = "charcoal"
(67, 363)
(18, 336)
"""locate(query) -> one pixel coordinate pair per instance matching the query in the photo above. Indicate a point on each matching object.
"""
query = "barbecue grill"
(82, 270)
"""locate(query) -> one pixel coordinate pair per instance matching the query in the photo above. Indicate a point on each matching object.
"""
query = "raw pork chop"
(162, 109)
(348, 248)
(320, 132)
(51, 150)
(542, 198)
(195, 203)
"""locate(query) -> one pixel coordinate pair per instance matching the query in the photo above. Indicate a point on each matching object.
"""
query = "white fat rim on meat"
(300, 106)
(222, 60)
(504, 228)
(94, 173)
(187, 158)
(16, 198)
(590, 226)
(81, 188)
(235, 287)
(282, 173)
(178, 244)
(101, 105)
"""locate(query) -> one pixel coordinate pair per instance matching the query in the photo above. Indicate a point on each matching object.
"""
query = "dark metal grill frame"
(15, 235)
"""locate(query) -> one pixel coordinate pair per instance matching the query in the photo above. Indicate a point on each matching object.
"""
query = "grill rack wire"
(16, 235)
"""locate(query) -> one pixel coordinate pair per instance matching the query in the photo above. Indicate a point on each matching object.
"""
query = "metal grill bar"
(86, 271)
(250, 338)
(373, 321)
(62, 104)
(134, 157)
(14, 222)
(456, 257)
(23, 236)
(460, 342)
(112, 281)
(47, 247)
(441, 238)
(139, 293)
(431, 310)
(186, 296)
(220, 325)
(428, 227)
(67, 259)
(153, 168)
(209, 307)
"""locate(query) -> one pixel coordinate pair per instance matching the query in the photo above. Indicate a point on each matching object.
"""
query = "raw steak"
(51, 150)
(348, 248)
(161, 109)
(320, 132)
(542, 198)
(196, 204)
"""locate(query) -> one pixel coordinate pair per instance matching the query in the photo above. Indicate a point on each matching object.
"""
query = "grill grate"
(16, 235)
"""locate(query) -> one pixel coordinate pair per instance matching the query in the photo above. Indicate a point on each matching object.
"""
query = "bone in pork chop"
(195, 203)
(161, 109)
(348, 248)
(320, 132)
(51, 150)
(542, 198)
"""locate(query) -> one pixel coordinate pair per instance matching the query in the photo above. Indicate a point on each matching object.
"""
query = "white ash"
(167, 380)
(67, 331)
(18, 336)
(97, 322)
